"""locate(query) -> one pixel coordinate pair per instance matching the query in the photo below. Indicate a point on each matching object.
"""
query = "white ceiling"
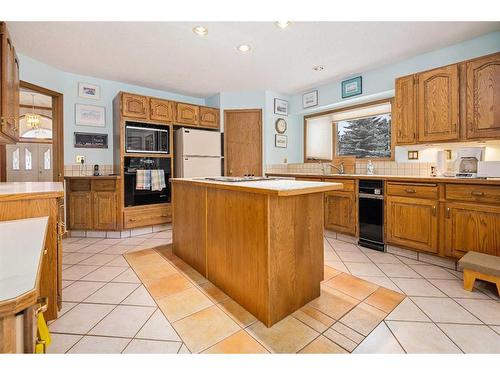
(169, 56)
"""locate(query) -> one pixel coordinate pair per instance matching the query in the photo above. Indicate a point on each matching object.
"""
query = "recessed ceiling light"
(282, 24)
(318, 68)
(200, 30)
(243, 48)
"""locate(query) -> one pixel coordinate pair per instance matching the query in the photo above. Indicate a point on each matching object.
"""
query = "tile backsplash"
(381, 168)
(87, 169)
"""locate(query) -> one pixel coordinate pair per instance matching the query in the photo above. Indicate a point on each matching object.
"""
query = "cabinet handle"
(433, 210)
(45, 251)
(477, 193)
(165, 215)
(410, 190)
(132, 219)
(448, 212)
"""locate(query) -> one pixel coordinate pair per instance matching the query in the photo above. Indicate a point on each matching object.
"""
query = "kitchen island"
(261, 242)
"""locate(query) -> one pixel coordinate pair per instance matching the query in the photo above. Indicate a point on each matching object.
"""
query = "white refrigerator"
(197, 153)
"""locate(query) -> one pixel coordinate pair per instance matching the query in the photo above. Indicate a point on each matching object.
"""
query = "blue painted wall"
(35, 72)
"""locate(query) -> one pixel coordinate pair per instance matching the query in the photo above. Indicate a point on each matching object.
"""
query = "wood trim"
(334, 130)
(57, 128)
(259, 111)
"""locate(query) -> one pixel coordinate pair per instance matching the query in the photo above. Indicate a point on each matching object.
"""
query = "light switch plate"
(80, 159)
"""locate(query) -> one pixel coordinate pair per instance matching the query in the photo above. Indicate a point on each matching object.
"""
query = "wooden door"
(135, 106)
(9, 87)
(438, 104)
(472, 227)
(412, 222)
(243, 142)
(209, 117)
(404, 115)
(104, 210)
(161, 110)
(340, 212)
(483, 97)
(80, 212)
(187, 114)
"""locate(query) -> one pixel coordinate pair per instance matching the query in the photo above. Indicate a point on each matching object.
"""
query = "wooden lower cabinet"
(80, 210)
(341, 212)
(412, 223)
(140, 216)
(104, 210)
(472, 227)
(92, 204)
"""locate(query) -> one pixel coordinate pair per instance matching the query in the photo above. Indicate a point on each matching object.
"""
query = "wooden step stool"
(480, 266)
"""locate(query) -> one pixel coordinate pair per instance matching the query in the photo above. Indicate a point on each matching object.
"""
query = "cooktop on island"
(238, 179)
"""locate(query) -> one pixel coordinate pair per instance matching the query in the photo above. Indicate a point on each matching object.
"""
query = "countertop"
(279, 187)
(424, 179)
(20, 256)
(92, 177)
(30, 190)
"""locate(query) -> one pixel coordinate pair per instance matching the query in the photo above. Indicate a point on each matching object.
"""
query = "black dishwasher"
(371, 214)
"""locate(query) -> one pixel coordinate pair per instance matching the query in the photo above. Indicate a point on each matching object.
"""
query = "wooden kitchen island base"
(260, 242)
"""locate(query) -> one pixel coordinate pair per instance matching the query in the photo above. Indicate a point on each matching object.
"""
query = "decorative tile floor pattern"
(108, 309)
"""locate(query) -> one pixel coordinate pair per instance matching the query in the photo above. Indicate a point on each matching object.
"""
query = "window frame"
(334, 130)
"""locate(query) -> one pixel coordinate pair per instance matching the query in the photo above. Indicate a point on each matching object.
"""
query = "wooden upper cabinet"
(412, 222)
(483, 97)
(161, 110)
(9, 89)
(135, 106)
(209, 117)
(438, 102)
(404, 111)
(472, 227)
(187, 114)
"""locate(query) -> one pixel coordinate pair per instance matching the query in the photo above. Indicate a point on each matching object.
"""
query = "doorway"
(243, 142)
(38, 154)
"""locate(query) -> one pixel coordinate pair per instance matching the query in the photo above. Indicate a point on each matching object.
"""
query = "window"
(363, 132)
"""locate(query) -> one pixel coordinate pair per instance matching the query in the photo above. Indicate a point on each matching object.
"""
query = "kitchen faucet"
(340, 168)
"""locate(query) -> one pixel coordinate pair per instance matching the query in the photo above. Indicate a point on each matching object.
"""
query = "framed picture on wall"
(89, 91)
(280, 141)
(310, 99)
(280, 107)
(352, 87)
(90, 115)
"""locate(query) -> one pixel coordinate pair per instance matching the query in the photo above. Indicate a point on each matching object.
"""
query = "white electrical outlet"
(80, 159)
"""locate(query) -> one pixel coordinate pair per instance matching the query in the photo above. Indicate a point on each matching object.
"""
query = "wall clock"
(280, 125)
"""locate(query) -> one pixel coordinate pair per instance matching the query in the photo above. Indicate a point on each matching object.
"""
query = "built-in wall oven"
(139, 197)
(146, 138)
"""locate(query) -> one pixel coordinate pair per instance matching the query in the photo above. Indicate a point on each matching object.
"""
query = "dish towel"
(157, 179)
(143, 179)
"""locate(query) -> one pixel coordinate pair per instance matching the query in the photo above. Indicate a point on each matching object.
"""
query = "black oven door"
(138, 197)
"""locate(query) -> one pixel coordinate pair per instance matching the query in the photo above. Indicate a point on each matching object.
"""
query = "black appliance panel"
(371, 214)
(137, 197)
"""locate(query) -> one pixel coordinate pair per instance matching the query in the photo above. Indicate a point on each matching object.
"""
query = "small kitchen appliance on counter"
(467, 161)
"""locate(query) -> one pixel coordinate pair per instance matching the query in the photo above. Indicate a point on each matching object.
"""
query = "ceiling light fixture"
(33, 119)
(243, 48)
(318, 68)
(200, 30)
(282, 24)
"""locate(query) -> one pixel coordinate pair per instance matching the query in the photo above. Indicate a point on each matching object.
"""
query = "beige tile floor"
(107, 309)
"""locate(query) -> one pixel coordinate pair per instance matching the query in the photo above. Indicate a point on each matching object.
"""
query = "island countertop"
(279, 187)
(30, 190)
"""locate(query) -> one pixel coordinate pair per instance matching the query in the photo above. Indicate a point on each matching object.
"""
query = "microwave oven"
(146, 138)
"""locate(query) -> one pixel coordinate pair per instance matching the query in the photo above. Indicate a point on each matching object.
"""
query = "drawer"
(133, 218)
(473, 193)
(79, 185)
(104, 185)
(349, 185)
(425, 191)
